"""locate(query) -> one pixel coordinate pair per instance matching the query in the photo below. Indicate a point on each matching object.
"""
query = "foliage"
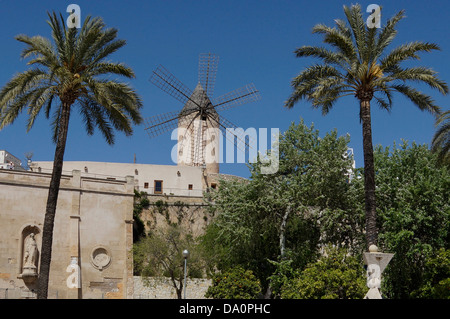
(235, 283)
(336, 275)
(284, 272)
(356, 63)
(436, 282)
(441, 138)
(70, 72)
(413, 213)
(73, 70)
(140, 202)
(161, 254)
(247, 228)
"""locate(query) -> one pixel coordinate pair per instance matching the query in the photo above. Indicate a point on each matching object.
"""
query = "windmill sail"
(199, 123)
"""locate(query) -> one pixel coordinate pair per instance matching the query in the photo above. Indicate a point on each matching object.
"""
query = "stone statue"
(30, 254)
(376, 263)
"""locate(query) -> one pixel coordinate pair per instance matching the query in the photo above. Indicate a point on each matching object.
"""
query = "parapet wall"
(162, 288)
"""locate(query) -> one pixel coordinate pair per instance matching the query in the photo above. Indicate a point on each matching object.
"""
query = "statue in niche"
(30, 255)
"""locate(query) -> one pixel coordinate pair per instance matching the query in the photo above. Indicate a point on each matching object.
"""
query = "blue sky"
(255, 41)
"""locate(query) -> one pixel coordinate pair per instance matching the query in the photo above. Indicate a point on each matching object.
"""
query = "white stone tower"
(198, 133)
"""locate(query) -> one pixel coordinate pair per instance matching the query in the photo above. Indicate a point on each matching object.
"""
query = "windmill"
(199, 123)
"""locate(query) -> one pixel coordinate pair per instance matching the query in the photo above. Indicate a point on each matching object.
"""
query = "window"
(190, 187)
(158, 187)
(213, 185)
(145, 185)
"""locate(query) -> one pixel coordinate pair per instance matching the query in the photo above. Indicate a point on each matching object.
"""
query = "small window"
(158, 187)
(145, 185)
(213, 185)
(190, 187)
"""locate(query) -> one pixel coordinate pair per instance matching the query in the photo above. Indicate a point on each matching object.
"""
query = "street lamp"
(186, 256)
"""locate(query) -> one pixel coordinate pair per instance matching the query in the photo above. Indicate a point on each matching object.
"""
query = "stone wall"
(162, 288)
(188, 212)
(92, 230)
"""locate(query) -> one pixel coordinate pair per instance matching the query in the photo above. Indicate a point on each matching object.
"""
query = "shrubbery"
(334, 276)
(235, 283)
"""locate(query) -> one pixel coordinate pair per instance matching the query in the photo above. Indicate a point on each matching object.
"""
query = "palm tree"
(66, 74)
(441, 138)
(358, 65)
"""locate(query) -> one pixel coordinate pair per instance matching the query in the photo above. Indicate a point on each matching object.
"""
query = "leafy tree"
(235, 283)
(72, 71)
(273, 217)
(436, 282)
(441, 139)
(358, 65)
(160, 254)
(336, 275)
(414, 213)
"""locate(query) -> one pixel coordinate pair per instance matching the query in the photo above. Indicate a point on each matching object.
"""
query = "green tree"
(358, 65)
(273, 217)
(72, 71)
(337, 275)
(436, 284)
(235, 283)
(160, 254)
(441, 138)
(414, 213)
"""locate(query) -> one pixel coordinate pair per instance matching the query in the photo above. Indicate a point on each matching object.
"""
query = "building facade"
(92, 238)
(9, 161)
(154, 179)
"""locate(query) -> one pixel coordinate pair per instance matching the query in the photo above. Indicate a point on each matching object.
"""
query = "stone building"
(9, 161)
(93, 233)
(91, 256)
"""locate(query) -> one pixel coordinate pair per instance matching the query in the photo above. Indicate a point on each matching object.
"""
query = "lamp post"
(186, 256)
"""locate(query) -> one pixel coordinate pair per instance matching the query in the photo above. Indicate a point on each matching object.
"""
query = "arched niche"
(30, 239)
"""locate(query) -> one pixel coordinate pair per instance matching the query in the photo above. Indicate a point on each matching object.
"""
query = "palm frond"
(423, 101)
(73, 69)
(405, 52)
(358, 28)
(305, 83)
(326, 55)
(420, 74)
(339, 40)
(387, 34)
(441, 138)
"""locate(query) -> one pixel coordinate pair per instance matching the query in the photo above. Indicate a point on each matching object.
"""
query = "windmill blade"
(207, 70)
(237, 132)
(167, 82)
(234, 134)
(162, 123)
(245, 94)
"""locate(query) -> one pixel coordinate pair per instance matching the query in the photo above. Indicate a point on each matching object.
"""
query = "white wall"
(173, 183)
(6, 158)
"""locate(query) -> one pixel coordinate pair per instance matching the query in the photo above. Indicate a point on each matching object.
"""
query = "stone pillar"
(74, 235)
(128, 278)
(376, 263)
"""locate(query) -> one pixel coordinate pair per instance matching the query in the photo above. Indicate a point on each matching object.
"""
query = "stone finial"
(373, 249)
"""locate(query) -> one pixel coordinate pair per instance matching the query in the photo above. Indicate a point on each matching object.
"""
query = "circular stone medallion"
(100, 258)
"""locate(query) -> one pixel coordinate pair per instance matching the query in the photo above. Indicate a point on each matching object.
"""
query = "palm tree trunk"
(369, 174)
(47, 233)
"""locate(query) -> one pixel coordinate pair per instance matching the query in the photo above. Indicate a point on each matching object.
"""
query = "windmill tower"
(199, 123)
